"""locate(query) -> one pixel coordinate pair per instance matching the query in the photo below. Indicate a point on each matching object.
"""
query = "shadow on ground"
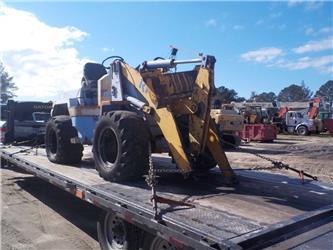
(80, 213)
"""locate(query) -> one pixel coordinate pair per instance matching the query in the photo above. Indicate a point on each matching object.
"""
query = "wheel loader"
(127, 113)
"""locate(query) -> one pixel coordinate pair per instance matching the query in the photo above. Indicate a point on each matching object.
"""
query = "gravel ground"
(37, 215)
(313, 154)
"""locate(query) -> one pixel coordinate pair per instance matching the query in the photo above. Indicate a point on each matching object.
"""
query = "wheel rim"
(301, 130)
(108, 146)
(115, 231)
(161, 244)
(53, 142)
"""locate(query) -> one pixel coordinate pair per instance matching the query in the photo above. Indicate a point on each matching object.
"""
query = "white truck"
(297, 122)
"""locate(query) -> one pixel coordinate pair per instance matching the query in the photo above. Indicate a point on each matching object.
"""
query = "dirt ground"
(37, 215)
(312, 154)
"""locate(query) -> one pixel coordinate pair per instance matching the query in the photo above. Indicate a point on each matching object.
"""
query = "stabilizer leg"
(219, 155)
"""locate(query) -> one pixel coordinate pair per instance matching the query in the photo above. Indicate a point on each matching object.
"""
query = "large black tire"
(121, 146)
(302, 130)
(116, 234)
(61, 141)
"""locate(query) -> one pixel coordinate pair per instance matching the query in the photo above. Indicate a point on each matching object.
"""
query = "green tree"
(295, 93)
(263, 97)
(226, 95)
(8, 87)
(325, 90)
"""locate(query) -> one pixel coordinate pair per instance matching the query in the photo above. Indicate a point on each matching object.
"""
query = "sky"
(259, 46)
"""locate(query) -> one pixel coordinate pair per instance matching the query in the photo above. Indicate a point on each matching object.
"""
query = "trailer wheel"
(302, 130)
(153, 242)
(116, 234)
(61, 141)
(121, 146)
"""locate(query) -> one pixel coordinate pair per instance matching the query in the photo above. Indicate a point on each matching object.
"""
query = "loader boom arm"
(182, 95)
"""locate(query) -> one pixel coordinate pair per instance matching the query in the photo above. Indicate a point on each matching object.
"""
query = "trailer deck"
(263, 209)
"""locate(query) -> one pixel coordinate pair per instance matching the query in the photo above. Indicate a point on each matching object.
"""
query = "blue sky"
(259, 46)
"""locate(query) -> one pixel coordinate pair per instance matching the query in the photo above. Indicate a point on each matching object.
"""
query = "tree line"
(292, 93)
(8, 87)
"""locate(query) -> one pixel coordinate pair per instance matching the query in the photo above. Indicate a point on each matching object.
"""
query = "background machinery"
(228, 121)
(257, 126)
(138, 111)
(303, 122)
(297, 122)
(321, 117)
(24, 122)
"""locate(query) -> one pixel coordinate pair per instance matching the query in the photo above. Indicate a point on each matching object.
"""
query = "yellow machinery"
(152, 109)
(228, 122)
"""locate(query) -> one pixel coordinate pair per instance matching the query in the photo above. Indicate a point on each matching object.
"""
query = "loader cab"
(83, 109)
(92, 72)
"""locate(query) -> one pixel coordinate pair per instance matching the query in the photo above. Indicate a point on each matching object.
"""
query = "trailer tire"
(154, 242)
(116, 234)
(302, 130)
(121, 146)
(61, 141)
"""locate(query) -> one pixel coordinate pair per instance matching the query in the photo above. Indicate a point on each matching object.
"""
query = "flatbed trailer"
(263, 211)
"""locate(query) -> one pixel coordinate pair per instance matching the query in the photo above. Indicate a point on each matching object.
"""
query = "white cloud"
(263, 55)
(275, 15)
(282, 26)
(211, 22)
(311, 31)
(325, 30)
(275, 57)
(313, 5)
(323, 63)
(314, 46)
(238, 27)
(308, 5)
(106, 49)
(42, 58)
(259, 22)
(292, 3)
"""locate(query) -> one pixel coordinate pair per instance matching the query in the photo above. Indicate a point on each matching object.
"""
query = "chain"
(151, 181)
(150, 178)
(27, 150)
(276, 164)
